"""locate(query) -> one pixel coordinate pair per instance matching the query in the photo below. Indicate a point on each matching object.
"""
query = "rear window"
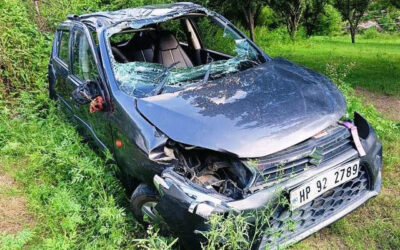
(63, 47)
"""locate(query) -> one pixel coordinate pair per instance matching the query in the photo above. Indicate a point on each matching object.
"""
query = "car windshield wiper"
(255, 62)
(159, 88)
(207, 75)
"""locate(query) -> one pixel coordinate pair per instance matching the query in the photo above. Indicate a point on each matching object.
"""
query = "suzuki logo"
(316, 156)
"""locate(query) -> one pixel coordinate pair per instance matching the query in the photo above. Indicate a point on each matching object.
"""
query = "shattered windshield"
(177, 54)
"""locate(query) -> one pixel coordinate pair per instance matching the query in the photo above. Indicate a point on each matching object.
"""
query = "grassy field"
(376, 60)
(56, 193)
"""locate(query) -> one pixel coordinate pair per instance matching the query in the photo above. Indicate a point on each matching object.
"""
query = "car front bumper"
(186, 208)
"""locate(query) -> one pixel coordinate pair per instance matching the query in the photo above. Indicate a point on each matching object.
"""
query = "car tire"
(144, 198)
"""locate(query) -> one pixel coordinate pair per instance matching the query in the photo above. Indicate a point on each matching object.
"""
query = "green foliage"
(242, 230)
(370, 33)
(312, 14)
(267, 17)
(74, 191)
(54, 12)
(352, 11)
(231, 232)
(155, 241)
(330, 21)
(277, 37)
(395, 3)
(388, 23)
(19, 69)
(291, 11)
(16, 241)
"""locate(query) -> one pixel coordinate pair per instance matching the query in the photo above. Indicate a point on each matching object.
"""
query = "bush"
(330, 21)
(265, 37)
(387, 23)
(24, 51)
(267, 18)
(370, 33)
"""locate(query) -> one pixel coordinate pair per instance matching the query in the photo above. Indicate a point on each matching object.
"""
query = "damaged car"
(201, 121)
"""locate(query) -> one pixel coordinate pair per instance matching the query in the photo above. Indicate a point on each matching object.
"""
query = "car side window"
(63, 46)
(83, 63)
(215, 37)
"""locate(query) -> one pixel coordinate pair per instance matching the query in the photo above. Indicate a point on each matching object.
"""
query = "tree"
(291, 11)
(329, 22)
(352, 11)
(250, 9)
(312, 12)
(395, 3)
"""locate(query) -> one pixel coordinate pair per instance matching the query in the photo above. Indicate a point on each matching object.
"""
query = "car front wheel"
(143, 202)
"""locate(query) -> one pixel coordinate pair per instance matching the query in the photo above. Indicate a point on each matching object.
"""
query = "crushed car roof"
(143, 15)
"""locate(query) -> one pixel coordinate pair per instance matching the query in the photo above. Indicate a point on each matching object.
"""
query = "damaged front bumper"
(186, 206)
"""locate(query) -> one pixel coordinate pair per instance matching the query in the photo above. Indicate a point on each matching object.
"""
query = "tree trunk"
(291, 27)
(353, 33)
(249, 15)
(252, 35)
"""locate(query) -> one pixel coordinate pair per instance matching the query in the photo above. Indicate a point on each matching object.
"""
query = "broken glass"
(139, 78)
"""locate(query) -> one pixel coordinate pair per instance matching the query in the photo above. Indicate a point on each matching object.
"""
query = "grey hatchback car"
(201, 121)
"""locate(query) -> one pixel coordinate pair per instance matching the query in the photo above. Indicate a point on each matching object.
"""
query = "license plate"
(322, 183)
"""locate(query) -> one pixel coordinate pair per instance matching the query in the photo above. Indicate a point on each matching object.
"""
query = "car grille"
(303, 156)
(286, 224)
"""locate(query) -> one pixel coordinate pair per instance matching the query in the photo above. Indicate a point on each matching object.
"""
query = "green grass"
(377, 60)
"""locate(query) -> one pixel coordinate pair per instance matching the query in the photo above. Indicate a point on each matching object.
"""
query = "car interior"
(175, 41)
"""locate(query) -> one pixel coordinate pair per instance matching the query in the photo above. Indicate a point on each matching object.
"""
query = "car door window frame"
(74, 76)
(56, 54)
(101, 75)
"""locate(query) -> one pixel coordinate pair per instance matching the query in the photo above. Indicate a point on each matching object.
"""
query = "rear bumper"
(186, 207)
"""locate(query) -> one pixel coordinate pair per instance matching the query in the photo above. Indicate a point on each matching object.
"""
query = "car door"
(85, 67)
(59, 68)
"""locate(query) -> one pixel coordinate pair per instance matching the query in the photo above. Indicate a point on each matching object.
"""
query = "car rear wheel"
(143, 202)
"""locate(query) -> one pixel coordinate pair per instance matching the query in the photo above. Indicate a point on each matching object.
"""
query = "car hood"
(252, 113)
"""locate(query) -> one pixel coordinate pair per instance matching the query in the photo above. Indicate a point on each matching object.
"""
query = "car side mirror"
(86, 92)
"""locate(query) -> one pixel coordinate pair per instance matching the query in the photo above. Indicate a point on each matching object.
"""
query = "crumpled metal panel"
(252, 113)
(138, 78)
(142, 16)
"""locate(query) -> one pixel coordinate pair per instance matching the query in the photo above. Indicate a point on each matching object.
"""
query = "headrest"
(141, 41)
(168, 41)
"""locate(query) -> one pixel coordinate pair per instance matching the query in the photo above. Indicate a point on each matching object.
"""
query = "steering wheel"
(119, 57)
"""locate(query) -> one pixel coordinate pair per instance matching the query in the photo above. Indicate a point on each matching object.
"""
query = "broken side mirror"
(86, 92)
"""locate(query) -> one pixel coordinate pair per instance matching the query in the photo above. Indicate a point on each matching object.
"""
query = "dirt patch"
(389, 106)
(14, 215)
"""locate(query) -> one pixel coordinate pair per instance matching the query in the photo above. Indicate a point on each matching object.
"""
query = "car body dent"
(252, 113)
(172, 188)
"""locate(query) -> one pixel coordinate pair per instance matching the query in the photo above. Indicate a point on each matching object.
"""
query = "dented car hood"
(252, 113)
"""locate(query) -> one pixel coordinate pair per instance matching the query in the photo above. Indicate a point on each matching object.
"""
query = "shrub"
(265, 37)
(330, 21)
(24, 50)
(370, 33)
(388, 23)
(267, 17)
